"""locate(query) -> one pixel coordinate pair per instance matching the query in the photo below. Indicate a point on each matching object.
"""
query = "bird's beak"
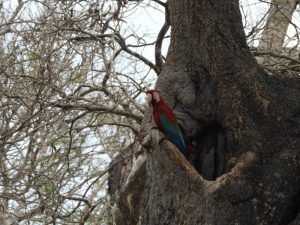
(149, 99)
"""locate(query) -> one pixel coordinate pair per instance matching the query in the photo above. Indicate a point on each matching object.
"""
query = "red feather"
(166, 121)
(161, 106)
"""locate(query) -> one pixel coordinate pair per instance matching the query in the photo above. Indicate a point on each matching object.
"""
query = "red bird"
(166, 120)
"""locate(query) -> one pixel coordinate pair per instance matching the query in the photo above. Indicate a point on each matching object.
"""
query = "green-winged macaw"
(166, 120)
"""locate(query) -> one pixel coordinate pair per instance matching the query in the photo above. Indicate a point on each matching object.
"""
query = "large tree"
(72, 81)
(210, 75)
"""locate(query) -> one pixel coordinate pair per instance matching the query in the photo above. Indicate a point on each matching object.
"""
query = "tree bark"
(210, 75)
(274, 34)
(279, 18)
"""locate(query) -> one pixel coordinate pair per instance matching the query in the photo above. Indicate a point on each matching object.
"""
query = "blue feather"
(171, 128)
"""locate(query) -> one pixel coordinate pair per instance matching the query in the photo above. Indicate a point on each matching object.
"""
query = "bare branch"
(7, 26)
(102, 109)
(159, 40)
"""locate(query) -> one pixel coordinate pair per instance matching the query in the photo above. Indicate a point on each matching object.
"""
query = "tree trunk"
(210, 75)
(274, 34)
(279, 18)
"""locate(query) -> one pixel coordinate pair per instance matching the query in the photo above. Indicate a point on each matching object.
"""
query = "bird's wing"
(171, 128)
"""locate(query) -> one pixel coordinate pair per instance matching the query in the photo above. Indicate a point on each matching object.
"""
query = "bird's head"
(153, 97)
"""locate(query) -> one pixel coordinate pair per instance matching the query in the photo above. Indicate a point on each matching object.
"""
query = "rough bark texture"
(211, 75)
(126, 184)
